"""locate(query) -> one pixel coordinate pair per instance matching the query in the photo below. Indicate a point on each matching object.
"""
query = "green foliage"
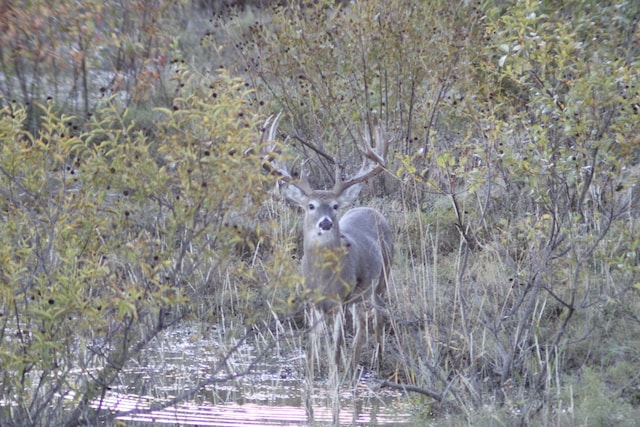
(513, 187)
(110, 236)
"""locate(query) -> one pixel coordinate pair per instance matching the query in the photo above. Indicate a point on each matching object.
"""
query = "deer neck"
(324, 255)
(316, 242)
(323, 265)
(324, 269)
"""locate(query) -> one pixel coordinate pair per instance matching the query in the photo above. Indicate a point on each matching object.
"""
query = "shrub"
(109, 236)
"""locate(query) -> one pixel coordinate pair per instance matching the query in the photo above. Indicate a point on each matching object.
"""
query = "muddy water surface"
(250, 388)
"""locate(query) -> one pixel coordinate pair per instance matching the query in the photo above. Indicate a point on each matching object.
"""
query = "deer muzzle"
(325, 224)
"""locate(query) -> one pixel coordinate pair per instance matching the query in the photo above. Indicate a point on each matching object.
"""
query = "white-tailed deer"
(346, 261)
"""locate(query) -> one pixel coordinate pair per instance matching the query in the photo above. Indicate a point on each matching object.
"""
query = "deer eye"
(311, 206)
(335, 206)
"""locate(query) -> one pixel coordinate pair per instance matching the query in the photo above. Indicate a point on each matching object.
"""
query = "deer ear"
(349, 195)
(296, 195)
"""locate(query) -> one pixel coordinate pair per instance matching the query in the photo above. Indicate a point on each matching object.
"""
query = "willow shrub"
(110, 234)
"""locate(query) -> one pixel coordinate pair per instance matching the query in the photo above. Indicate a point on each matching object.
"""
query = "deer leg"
(338, 336)
(378, 319)
(378, 325)
(360, 330)
(317, 332)
(319, 337)
(336, 344)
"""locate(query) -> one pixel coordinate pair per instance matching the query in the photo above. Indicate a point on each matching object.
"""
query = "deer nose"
(325, 224)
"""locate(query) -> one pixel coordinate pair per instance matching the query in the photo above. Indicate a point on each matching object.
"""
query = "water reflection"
(271, 395)
(248, 414)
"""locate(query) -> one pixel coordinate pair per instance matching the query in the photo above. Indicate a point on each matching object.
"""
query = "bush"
(512, 184)
(109, 236)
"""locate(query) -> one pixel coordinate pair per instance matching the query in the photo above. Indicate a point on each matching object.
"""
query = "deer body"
(346, 261)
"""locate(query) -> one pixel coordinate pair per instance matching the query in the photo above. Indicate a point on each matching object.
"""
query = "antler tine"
(373, 162)
(271, 134)
(378, 154)
(270, 162)
(274, 127)
(269, 137)
(303, 181)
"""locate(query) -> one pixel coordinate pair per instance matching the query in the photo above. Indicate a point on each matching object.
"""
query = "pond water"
(248, 388)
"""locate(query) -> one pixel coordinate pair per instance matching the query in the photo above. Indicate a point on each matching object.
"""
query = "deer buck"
(346, 261)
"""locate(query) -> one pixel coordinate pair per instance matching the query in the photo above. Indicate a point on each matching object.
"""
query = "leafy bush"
(109, 236)
(512, 184)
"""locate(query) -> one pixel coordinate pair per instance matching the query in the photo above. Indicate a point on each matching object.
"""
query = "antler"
(271, 165)
(373, 162)
(271, 151)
